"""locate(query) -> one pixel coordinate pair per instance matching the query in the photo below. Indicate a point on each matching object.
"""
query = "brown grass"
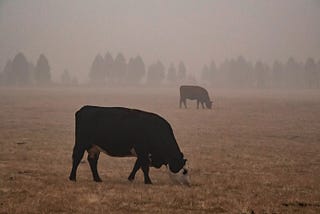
(255, 152)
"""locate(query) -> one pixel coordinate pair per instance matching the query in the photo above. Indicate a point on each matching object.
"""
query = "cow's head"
(181, 175)
(209, 104)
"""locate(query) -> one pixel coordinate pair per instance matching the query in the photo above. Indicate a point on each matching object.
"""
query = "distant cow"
(123, 132)
(194, 93)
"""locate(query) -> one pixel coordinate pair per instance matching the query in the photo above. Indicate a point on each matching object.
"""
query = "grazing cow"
(194, 93)
(123, 132)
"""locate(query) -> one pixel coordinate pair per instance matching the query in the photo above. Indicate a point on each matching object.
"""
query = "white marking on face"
(181, 177)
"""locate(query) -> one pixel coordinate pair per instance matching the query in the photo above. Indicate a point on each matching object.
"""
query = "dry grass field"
(254, 152)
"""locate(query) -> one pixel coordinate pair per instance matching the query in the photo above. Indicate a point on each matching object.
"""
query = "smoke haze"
(72, 33)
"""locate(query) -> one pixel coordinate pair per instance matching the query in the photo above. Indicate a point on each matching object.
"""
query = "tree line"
(241, 73)
(109, 71)
(118, 71)
(21, 72)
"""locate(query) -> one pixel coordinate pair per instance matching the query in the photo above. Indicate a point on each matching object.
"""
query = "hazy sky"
(71, 32)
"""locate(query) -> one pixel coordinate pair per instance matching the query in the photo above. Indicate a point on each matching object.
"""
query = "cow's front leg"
(202, 105)
(93, 156)
(185, 103)
(136, 167)
(144, 162)
(145, 169)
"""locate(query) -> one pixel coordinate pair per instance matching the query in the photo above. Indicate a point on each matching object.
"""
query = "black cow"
(123, 132)
(194, 93)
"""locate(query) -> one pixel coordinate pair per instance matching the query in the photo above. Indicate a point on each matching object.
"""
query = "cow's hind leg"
(136, 167)
(93, 156)
(76, 158)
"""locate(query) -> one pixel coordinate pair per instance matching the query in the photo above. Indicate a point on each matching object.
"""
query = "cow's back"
(193, 92)
(111, 123)
(117, 130)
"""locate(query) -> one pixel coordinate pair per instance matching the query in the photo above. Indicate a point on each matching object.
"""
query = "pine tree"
(97, 73)
(42, 71)
(20, 74)
(172, 74)
(182, 72)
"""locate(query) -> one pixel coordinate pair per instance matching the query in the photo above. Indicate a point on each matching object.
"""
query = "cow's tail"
(78, 149)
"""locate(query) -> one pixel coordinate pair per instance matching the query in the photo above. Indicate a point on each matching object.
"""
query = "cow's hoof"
(98, 180)
(148, 182)
(130, 178)
(72, 179)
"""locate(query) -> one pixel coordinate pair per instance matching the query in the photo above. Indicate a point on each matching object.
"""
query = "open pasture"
(254, 152)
